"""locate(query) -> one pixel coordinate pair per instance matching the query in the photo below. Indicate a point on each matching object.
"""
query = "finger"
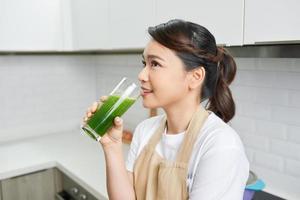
(116, 131)
(118, 122)
(85, 119)
(89, 109)
(103, 98)
(89, 114)
(94, 107)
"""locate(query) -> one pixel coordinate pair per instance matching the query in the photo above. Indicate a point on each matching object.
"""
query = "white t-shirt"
(218, 168)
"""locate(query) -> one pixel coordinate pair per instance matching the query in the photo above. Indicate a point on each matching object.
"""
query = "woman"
(190, 152)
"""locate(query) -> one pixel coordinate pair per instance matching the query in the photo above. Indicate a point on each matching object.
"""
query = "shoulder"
(146, 128)
(149, 123)
(217, 134)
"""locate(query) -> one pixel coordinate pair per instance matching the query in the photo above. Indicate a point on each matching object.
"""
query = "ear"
(196, 77)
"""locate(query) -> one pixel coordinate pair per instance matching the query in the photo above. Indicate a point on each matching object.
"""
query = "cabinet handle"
(279, 42)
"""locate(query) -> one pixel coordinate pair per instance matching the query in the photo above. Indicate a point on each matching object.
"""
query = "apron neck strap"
(158, 133)
(191, 134)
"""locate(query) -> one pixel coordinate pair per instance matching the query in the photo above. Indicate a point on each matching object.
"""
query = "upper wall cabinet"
(90, 24)
(128, 23)
(268, 21)
(31, 25)
(111, 24)
(224, 19)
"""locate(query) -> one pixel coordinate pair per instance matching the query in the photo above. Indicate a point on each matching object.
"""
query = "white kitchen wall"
(267, 94)
(43, 94)
(49, 94)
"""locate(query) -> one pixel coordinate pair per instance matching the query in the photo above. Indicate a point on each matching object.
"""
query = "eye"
(144, 63)
(155, 64)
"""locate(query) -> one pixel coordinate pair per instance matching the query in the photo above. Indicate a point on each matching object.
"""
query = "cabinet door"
(35, 186)
(128, 21)
(90, 24)
(0, 191)
(268, 21)
(224, 19)
(30, 25)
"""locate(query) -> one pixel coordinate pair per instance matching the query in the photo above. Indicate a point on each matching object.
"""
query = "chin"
(149, 105)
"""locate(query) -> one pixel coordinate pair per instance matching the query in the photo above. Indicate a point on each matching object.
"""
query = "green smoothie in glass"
(118, 102)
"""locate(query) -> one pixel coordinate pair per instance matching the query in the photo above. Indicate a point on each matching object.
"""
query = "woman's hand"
(113, 137)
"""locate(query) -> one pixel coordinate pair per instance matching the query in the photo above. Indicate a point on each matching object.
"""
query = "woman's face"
(163, 78)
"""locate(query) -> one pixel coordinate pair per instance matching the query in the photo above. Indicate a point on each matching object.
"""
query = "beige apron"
(157, 178)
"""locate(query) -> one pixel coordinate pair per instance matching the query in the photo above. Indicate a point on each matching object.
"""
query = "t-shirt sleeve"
(133, 150)
(220, 174)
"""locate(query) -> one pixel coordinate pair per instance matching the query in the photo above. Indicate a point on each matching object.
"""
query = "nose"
(144, 75)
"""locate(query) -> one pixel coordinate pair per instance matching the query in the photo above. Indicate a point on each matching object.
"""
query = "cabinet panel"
(129, 21)
(35, 186)
(268, 21)
(224, 19)
(0, 191)
(90, 24)
(30, 25)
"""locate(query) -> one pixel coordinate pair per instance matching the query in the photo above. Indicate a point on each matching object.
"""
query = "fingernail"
(118, 119)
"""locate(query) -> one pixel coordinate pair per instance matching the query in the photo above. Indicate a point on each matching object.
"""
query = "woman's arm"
(119, 183)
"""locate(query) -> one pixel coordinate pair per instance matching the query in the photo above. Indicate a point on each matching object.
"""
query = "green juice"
(104, 116)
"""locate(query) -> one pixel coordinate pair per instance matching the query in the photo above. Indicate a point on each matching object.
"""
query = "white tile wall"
(48, 94)
(294, 134)
(267, 95)
(45, 94)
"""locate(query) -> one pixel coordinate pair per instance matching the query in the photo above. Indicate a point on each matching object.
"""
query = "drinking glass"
(122, 97)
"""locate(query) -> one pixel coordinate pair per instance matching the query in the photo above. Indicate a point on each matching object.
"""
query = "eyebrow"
(153, 56)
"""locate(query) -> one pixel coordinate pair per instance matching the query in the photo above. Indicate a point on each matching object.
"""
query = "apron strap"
(193, 130)
(158, 133)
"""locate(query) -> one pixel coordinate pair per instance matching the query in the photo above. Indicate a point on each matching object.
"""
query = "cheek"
(170, 88)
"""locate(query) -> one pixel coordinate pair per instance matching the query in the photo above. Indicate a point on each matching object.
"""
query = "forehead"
(155, 48)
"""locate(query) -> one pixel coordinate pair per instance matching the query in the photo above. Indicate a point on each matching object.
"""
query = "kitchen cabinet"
(268, 21)
(224, 19)
(113, 24)
(128, 23)
(90, 28)
(35, 186)
(33, 25)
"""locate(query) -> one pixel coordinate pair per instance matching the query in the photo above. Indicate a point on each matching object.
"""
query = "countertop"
(76, 155)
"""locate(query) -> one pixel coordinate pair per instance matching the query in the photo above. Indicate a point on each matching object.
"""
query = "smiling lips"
(145, 91)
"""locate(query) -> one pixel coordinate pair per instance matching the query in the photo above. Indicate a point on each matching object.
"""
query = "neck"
(180, 115)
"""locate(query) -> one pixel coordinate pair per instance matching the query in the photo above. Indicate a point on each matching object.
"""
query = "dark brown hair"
(196, 47)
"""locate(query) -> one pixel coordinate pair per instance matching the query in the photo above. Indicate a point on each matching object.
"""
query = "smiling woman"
(163, 77)
(189, 152)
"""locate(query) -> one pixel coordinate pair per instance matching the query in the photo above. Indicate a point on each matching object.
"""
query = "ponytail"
(221, 102)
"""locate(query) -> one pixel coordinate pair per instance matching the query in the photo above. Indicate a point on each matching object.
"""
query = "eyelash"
(144, 63)
(152, 63)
